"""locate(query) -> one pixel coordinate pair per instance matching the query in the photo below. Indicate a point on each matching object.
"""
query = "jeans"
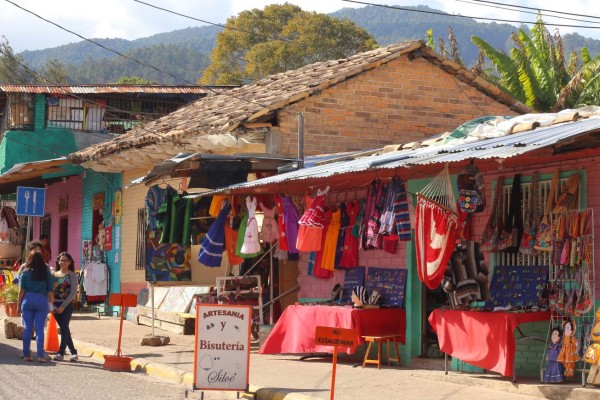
(35, 311)
(63, 319)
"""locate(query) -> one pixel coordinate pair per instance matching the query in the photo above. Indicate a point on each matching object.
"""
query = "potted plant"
(9, 296)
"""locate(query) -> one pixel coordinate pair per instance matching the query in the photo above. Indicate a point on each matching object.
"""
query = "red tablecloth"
(294, 333)
(483, 339)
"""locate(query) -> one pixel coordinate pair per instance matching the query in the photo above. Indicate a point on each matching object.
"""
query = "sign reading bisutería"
(222, 352)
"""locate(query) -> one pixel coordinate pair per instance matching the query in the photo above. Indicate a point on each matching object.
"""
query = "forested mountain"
(185, 53)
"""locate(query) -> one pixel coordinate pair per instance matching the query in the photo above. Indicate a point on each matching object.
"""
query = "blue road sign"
(31, 201)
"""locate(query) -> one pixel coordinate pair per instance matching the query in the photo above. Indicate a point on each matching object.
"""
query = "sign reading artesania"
(222, 353)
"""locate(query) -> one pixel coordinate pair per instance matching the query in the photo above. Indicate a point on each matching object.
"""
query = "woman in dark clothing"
(35, 294)
(66, 282)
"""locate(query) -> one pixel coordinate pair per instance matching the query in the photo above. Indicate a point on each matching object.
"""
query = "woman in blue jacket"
(35, 296)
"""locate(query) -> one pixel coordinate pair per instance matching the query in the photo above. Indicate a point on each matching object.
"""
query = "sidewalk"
(286, 377)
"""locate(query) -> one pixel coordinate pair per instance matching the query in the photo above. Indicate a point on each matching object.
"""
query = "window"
(20, 111)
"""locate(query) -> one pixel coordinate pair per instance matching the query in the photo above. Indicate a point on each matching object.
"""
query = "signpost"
(31, 201)
(336, 337)
(222, 351)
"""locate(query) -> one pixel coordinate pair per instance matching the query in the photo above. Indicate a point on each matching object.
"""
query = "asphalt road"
(85, 379)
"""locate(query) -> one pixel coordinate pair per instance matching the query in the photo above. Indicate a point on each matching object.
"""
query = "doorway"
(63, 234)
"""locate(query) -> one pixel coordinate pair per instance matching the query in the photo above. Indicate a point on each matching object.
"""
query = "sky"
(128, 19)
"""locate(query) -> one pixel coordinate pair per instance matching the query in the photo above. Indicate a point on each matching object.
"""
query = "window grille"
(140, 248)
(20, 111)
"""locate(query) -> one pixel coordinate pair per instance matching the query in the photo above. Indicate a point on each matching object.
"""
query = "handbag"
(491, 233)
(543, 238)
(532, 217)
(510, 240)
(471, 189)
(556, 297)
(568, 198)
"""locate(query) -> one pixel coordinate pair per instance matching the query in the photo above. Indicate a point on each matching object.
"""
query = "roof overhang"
(544, 145)
(36, 174)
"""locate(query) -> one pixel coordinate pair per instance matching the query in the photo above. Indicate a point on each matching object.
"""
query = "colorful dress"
(554, 370)
(344, 222)
(568, 353)
(283, 241)
(291, 218)
(213, 243)
(349, 257)
(269, 232)
(317, 256)
(331, 238)
(311, 225)
(251, 243)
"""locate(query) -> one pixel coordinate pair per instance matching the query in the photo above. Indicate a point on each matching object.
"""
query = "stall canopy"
(536, 145)
(36, 174)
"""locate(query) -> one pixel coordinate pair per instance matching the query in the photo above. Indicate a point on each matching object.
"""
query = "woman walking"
(66, 282)
(36, 292)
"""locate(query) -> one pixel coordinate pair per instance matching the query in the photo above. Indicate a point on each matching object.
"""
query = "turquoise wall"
(96, 182)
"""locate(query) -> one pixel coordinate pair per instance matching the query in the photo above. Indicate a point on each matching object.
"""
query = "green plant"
(10, 293)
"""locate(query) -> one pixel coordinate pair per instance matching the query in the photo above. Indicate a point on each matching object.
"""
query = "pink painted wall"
(72, 188)
(311, 287)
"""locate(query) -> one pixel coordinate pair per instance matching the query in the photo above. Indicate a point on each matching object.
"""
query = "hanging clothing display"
(268, 232)
(216, 205)
(435, 229)
(283, 242)
(240, 240)
(153, 201)
(330, 244)
(339, 248)
(231, 236)
(375, 199)
(291, 218)
(401, 212)
(213, 244)
(349, 258)
(310, 228)
(251, 243)
(318, 270)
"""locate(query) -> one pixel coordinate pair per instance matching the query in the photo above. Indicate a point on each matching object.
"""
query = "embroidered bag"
(471, 189)
(532, 218)
(493, 228)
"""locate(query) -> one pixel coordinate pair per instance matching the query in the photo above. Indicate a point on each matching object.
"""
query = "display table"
(483, 339)
(294, 333)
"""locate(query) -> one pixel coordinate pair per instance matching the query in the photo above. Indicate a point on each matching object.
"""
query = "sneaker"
(58, 357)
(74, 358)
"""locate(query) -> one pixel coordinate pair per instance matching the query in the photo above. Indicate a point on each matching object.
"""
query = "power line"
(466, 16)
(507, 7)
(539, 9)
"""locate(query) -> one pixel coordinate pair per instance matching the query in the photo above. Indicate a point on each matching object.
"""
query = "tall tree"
(258, 43)
(134, 80)
(54, 73)
(537, 73)
(13, 69)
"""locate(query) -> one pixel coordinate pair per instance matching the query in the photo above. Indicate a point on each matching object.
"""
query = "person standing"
(66, 282)
(36, 292)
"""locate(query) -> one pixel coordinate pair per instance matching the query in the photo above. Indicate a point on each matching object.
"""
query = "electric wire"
(539, 9)
(466, 16)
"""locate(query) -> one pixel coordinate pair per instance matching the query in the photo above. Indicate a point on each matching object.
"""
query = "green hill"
(185, 53)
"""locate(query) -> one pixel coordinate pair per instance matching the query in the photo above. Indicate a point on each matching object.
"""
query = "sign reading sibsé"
(338, 337)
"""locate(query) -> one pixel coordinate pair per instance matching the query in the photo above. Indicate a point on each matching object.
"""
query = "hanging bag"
(543, 238)
(511, 235)
(493, 228)
(471, 189)
(531, 218)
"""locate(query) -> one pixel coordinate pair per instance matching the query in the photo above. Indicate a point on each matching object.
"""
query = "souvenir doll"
(554, 369)
(568, 354)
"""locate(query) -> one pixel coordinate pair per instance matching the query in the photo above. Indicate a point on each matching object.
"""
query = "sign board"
(517, 285)
(31, 201)
(391, 283)
(336, 337)
(352, 277)
(222, 351)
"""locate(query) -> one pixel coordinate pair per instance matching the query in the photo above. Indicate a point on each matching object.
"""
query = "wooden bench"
(388, 339)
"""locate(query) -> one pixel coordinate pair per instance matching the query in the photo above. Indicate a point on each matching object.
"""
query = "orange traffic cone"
(51, 341)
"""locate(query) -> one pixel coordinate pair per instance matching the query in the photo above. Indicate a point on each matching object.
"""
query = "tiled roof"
(219, 114)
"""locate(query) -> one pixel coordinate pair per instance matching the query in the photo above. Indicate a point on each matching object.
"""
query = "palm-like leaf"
(505, 66)
(578, 84)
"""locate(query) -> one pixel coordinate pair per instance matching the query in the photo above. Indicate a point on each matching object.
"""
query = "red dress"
(350, 255)
(283, 243)
(318, 270)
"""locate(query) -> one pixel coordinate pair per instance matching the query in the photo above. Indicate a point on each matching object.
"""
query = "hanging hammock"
(436, 222)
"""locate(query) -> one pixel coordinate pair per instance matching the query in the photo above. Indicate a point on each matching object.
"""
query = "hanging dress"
(268, 232)
(310, 229)
(401, 212)
(291, 218)
(331, 238)
(339, 248)
(213, 244)
(377, 197)
(283, 242)
(318, 270)
(216, 205)
(251, 243)
(231, 236)
(349, 257)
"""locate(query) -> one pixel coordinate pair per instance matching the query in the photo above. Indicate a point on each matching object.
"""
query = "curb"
(181, 376)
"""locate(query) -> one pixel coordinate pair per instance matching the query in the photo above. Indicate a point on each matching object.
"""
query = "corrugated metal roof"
(111, 88)
(455, 151)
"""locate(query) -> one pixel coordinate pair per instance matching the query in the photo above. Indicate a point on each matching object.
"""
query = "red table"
(294, 333)
(483, 339)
